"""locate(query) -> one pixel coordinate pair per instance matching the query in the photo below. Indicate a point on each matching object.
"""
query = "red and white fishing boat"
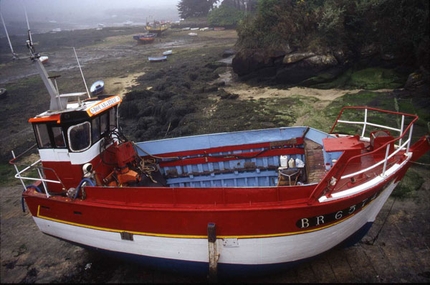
(225, 203)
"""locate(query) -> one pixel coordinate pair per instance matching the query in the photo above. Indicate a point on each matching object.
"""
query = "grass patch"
(369, 79)
(407, 187)
(7, 173)
(375, 78)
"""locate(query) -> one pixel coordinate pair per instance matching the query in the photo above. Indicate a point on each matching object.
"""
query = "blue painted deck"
(250, 172)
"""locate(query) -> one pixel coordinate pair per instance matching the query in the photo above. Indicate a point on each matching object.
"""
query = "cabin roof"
(92, 107)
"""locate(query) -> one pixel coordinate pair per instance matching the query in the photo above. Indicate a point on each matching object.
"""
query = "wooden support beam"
(213, 253)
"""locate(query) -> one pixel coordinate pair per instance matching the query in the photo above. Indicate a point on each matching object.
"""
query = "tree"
(396, 28)
(277, 24)
(195, 8)
(225, 15)
(242, 5)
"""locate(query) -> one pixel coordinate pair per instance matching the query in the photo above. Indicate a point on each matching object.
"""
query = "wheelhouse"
(75, 130)
(71, 138)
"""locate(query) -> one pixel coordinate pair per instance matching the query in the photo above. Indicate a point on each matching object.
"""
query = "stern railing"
(402, 145)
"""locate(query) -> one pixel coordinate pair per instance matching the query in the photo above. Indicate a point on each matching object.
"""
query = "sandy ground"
(122, 85)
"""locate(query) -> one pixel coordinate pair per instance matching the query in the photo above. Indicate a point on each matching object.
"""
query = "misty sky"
(84, 13)
(79, 6)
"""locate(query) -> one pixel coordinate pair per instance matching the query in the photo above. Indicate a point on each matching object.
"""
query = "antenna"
(33, 54)
(28, 26)
(14, 55)
(83, 78)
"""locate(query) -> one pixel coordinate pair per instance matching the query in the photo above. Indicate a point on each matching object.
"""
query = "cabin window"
(58, 137)
(112, 118)
(104, 123)
(95, 129)
(42, 136)
(80, 136)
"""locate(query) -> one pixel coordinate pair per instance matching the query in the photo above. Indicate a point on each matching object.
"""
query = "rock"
(295, 57)
(368, 50)
(284, 68)
(414, 80)
(248, 61)
(228, 53)
(324, 61)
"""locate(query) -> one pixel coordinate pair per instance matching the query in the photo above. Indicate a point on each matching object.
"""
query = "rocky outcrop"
(286, 68)
(305, 68)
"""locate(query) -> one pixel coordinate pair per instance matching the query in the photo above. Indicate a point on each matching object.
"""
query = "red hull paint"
(157, 211)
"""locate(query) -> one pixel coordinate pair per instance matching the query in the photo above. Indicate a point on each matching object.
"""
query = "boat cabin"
(68, 139)
(77, 131)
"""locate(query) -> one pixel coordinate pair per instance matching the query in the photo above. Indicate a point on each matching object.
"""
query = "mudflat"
(396, 249)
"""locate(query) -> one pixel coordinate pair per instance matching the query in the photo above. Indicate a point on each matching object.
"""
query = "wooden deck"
(314, 161)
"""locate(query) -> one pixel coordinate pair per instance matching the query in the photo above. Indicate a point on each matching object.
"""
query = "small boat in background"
(167, 52)
(157, 58)
(97, 87)
(44, 59)
(145, 38)
(156, 27)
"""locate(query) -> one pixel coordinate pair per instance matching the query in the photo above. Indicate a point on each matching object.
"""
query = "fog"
(46, 15)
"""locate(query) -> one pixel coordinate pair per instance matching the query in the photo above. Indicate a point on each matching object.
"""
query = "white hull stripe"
(249, 251)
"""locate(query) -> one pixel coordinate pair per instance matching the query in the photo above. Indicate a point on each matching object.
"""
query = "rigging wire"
(83, 78)
(14, 55)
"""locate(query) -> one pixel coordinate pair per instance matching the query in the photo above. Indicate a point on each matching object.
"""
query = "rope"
(420, 163)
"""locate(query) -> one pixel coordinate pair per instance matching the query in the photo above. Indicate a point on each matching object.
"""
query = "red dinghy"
(244, 202)
(145, 38)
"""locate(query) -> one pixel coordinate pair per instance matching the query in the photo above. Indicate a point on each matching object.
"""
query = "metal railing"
(384, 149)
(40, 171)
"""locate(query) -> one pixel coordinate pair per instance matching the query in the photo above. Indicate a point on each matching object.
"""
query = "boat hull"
(157, 58)
(145, 38)
(238, 254)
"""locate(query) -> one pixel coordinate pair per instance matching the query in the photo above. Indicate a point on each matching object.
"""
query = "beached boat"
(97, 87)
(3, 93)
(168, 52)
(157, 27)
(145, 38)
(245, 202)
(157, 58)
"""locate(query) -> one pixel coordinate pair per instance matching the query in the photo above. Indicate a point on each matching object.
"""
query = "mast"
(57, 103)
